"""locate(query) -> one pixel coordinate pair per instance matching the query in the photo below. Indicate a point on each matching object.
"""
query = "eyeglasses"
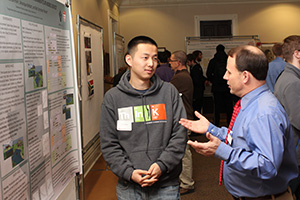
(173, 60)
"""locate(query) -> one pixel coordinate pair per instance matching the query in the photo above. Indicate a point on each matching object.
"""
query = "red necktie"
(236, 111)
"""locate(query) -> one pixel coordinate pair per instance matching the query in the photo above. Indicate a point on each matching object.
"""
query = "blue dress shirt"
(261, 159)
(275, 69)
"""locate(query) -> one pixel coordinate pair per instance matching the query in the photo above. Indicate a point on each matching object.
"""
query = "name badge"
(124, 125)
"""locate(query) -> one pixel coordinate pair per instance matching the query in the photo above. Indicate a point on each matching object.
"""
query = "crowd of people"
(146, 120)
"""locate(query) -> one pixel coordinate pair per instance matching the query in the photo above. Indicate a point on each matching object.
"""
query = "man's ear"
(128, 60)
(246, 76)
(297, 54)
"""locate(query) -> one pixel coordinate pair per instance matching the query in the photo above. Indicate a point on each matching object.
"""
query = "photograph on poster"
(14, 151)
(88, 57)
(68, 113)
(36, 72)
(91, 87)
(69, 99)
(87, 42)
(7, 151)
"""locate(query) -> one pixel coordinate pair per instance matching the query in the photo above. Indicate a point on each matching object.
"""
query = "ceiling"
(154, 3)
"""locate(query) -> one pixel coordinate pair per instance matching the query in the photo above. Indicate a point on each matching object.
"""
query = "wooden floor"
(100, 183)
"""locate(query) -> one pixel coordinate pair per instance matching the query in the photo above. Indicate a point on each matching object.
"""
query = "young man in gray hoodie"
(141, 138)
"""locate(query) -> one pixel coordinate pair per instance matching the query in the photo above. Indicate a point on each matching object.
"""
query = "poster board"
(91, 77)
(39, 113)
(119, 52)
(208, 45)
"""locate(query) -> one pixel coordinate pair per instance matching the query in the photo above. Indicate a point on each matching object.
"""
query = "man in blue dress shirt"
(275, 67)
(260, 158)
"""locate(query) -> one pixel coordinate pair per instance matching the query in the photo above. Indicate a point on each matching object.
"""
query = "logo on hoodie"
(146, 113)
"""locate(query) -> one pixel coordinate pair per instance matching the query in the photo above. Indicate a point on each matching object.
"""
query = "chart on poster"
(39, 120)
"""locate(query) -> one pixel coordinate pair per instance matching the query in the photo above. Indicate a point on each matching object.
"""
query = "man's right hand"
(197, 126)
(139, 175)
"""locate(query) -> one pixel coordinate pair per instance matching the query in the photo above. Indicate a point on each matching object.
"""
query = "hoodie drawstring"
(144, 104)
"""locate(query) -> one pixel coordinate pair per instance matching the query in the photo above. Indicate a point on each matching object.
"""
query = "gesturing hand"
(197, 126)
(208, 148)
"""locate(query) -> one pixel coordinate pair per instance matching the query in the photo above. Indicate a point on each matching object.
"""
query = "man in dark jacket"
(215, 72)
(198, 82)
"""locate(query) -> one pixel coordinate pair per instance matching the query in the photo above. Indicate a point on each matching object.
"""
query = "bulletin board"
(40, 139)
(119, 52)
(208, 45)
(90, 77)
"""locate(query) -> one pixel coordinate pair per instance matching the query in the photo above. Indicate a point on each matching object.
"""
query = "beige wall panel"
(95, 11)
(169, 25)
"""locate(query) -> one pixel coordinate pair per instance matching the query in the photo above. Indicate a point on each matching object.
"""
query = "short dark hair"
(190, 57)
(164, 56)
(251, 59)
(133, 43)
(290, 44)
(277, 49)
(220, 48)
(196, 53)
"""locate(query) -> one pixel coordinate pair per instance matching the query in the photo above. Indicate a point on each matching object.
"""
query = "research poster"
(208, 47)
(39, 120)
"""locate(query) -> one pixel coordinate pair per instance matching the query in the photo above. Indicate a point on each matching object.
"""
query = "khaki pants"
(186, 176)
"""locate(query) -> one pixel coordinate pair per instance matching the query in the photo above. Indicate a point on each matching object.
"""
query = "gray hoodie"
(287, 91)
(139, 129)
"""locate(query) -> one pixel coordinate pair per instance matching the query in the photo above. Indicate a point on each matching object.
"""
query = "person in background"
(140, 135)
(122, 70)
(198, 83)
(287, 90)
(257, 149)
(198, 56)
(118, 76)
(184, 84)
(276, 66)
(163, 70)
(222, 97)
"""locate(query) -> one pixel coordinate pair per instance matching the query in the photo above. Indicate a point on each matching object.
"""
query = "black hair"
(164, 56)
(139, 40)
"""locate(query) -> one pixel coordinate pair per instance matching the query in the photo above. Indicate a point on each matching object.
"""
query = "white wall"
(169, 25)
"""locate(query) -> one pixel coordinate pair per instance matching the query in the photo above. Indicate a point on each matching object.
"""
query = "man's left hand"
(152, 176)
(208, 148)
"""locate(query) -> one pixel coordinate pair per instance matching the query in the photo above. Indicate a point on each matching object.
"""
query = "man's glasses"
(173, 60)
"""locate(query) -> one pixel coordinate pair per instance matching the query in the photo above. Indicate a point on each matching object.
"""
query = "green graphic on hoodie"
(139, 114)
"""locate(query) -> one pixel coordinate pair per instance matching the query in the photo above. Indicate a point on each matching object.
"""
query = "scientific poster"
(208, 46)
(39, 119)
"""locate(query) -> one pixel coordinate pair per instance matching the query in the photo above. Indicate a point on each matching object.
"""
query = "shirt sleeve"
(217, 132)
(261, 151)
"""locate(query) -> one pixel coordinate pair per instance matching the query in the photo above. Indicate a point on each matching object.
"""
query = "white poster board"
(208, 46)
(119, 52)
(39, 118)
(91, 77)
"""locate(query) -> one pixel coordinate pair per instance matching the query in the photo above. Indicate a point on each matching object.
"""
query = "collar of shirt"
(252, 96)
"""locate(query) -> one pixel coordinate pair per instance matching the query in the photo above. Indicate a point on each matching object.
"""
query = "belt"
(260, 198)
